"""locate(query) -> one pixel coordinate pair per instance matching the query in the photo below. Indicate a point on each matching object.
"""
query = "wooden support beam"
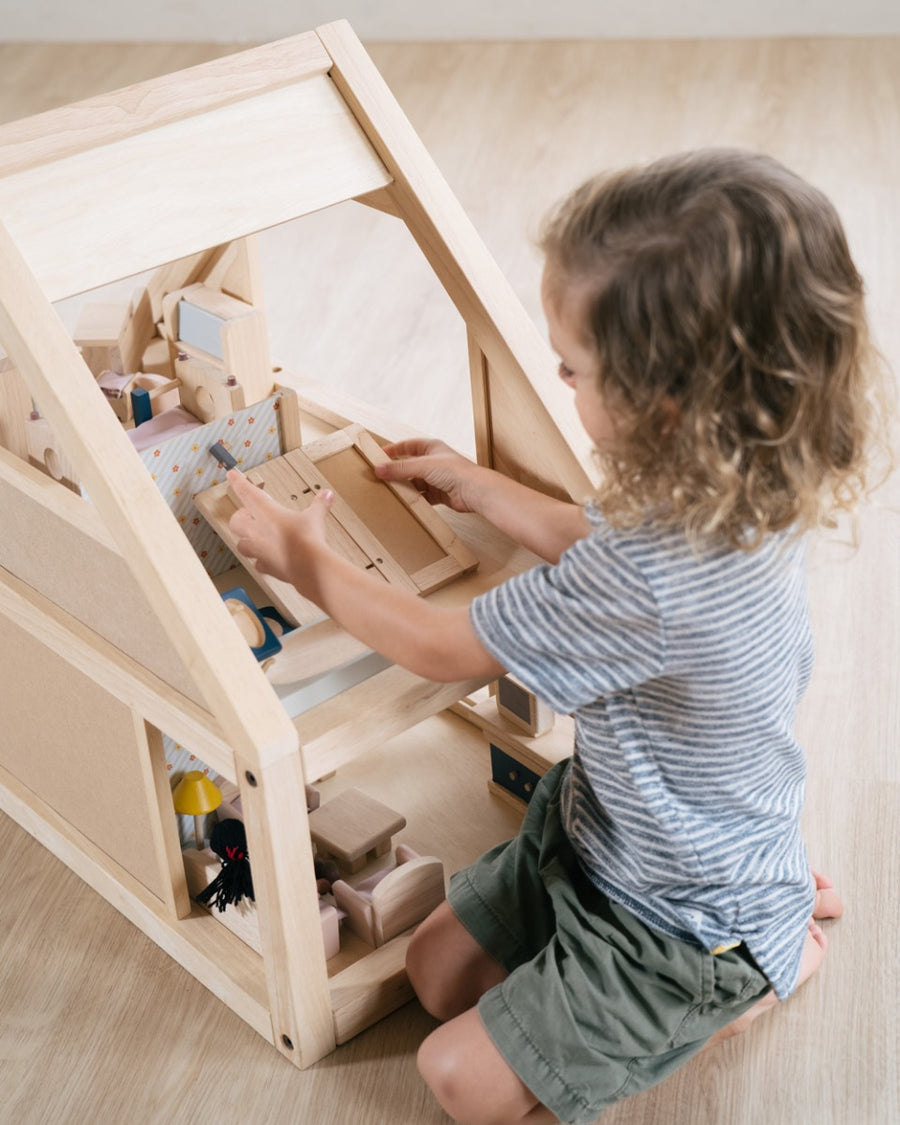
(107, 118)
(265, 741)
(537, 432)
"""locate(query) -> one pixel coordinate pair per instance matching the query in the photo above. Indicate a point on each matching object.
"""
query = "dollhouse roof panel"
(115, 209)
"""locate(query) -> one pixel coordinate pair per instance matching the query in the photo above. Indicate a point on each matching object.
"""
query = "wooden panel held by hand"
(384, 528)
(406, 526)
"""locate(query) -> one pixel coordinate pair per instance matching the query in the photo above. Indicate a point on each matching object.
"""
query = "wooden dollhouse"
(113, 630)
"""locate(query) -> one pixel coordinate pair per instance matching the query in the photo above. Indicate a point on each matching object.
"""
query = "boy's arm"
(436, 642)
(539, 522)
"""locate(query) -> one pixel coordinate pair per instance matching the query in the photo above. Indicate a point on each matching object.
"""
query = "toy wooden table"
(354, 829)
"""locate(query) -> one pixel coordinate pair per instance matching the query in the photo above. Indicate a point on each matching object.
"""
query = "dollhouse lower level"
(91, 776)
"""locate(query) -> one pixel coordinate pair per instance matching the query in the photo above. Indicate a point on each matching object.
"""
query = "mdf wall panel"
(69, 565)
(77, 749)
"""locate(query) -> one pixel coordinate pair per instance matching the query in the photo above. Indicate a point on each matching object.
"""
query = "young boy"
(709, 322)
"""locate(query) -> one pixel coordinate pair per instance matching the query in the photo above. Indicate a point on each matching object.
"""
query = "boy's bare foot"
(827, 905)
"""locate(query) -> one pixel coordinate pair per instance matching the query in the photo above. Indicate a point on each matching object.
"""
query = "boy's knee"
(425, 978)
(448, 1079)
(445, 965)
(470, 1078)
(436, 1070)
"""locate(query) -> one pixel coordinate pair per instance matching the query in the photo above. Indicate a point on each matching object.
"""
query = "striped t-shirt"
(683, 671)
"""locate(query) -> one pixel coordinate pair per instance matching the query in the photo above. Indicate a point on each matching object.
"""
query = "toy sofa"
(394, 899)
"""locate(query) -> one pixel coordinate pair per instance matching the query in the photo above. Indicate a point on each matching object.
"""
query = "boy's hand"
(437, 642)
(279, 540)
(442, 475)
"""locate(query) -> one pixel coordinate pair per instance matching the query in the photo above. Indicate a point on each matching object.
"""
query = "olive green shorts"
(597, 1005)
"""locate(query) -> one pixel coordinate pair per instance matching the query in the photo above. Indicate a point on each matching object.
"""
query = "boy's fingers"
(409, 468)
(241, 522)
(412, 447)
(240, 486)
(320, 507)
(242, 528)
(249, 494)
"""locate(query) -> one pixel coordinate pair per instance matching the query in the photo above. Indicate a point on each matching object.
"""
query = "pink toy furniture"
(392, 900)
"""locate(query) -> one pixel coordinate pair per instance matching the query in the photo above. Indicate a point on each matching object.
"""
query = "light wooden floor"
(96, 1023)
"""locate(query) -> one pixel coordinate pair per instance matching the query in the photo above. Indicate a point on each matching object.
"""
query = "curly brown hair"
(733, 350)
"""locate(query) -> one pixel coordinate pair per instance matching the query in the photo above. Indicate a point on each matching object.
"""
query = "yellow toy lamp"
(195, 795)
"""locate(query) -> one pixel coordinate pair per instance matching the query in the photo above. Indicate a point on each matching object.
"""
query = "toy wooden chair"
(111, 631)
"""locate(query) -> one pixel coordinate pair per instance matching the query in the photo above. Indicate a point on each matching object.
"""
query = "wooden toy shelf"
(112, 632)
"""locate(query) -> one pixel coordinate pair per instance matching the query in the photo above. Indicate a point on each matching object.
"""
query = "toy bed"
(115, 639)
